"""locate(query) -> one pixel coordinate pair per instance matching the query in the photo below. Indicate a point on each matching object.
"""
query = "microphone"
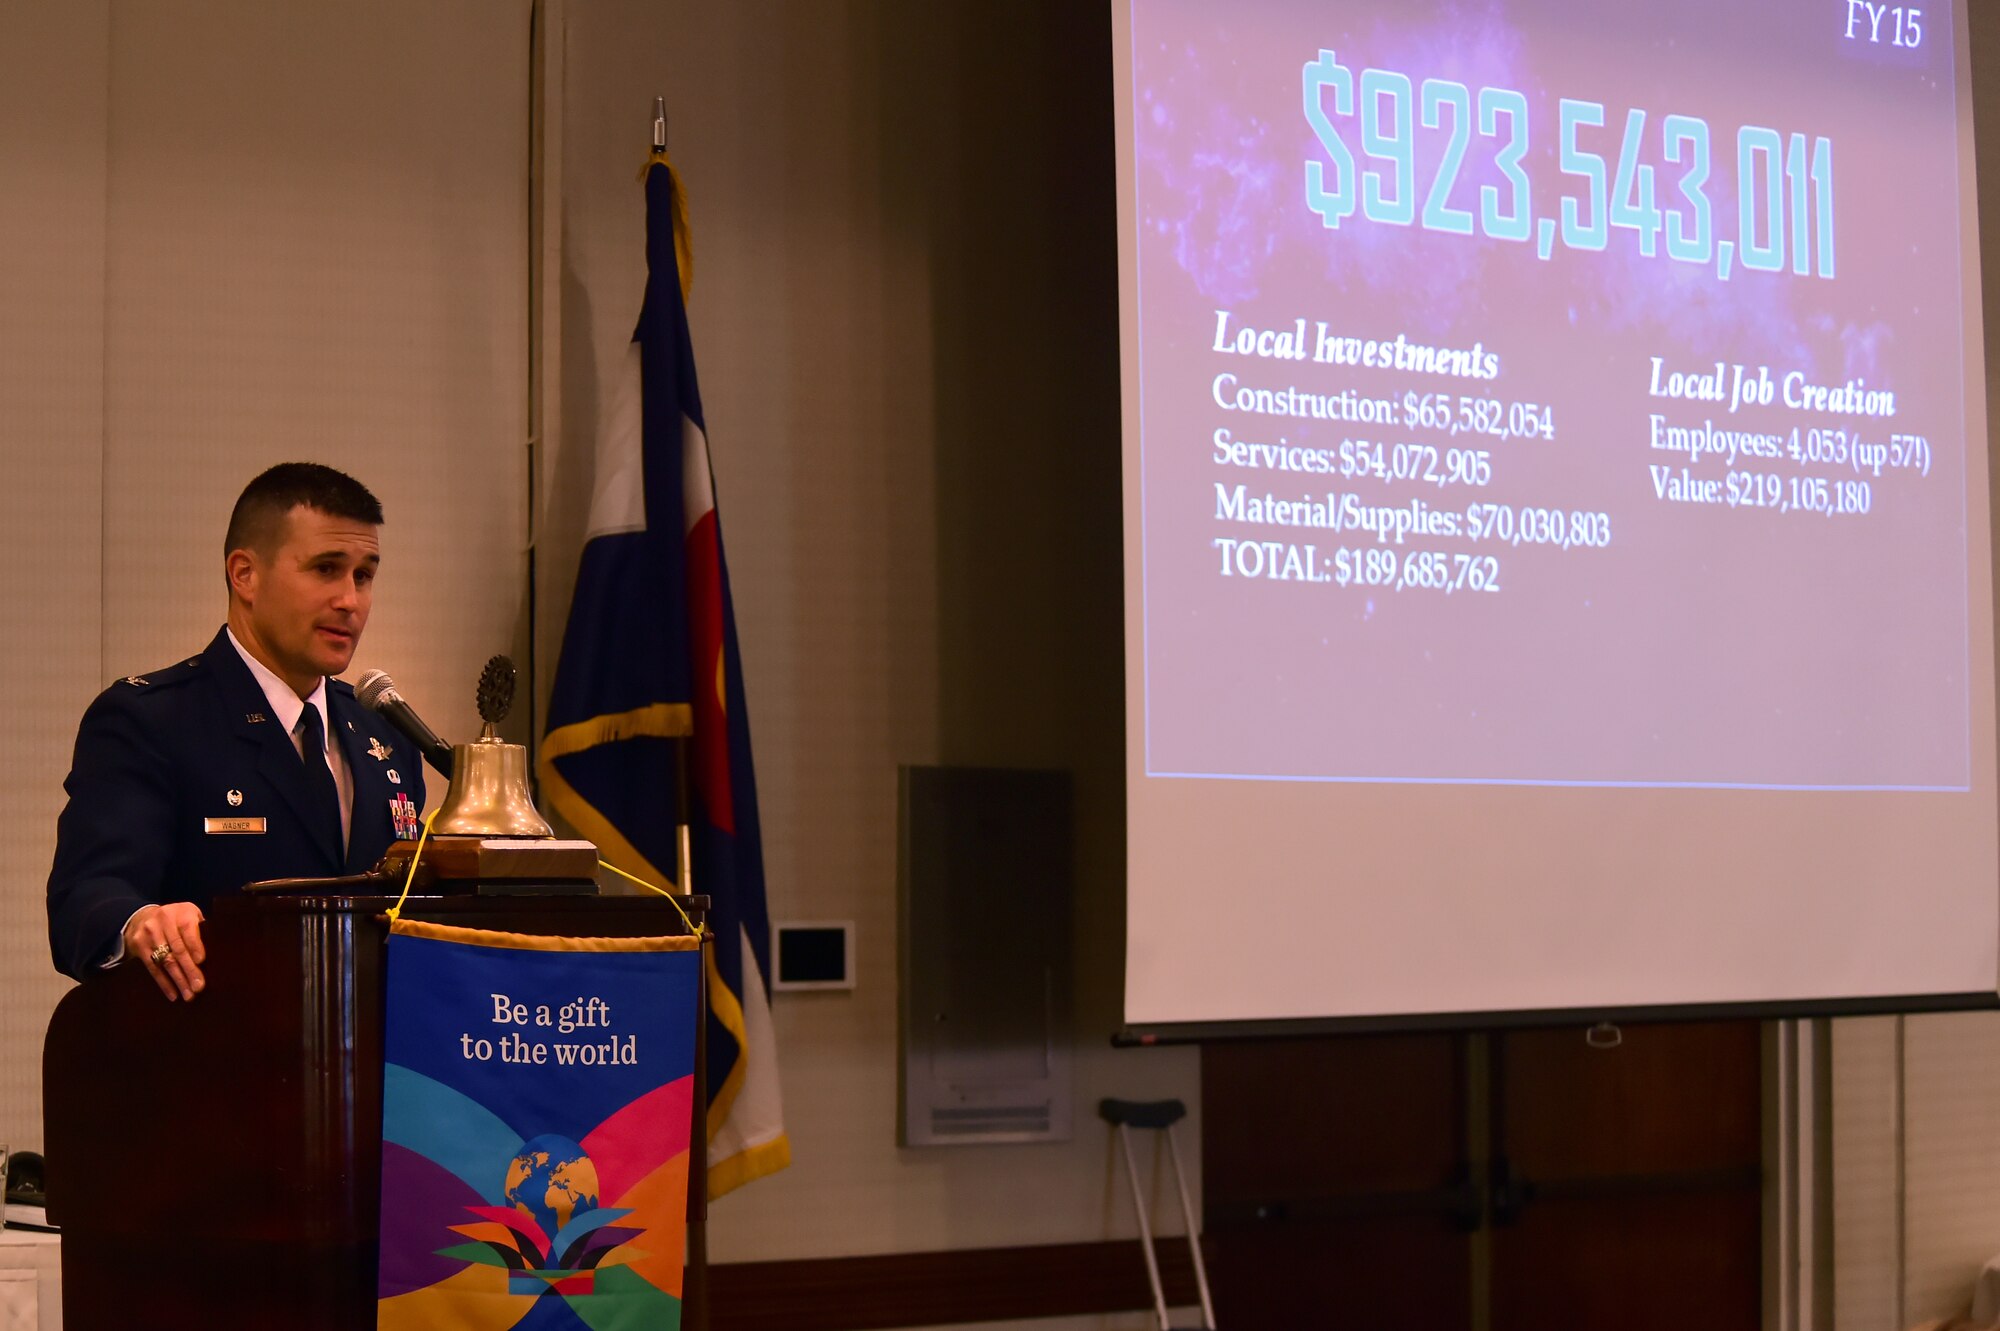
(377, 692)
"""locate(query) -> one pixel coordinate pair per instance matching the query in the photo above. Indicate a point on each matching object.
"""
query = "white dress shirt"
(286, 709)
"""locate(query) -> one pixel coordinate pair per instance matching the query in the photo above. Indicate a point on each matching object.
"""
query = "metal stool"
(1159, 1116)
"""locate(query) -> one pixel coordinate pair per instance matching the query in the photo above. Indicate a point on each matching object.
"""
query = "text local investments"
(1328, 348)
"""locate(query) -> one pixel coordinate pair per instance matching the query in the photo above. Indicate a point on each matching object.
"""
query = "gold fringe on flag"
(683, 238)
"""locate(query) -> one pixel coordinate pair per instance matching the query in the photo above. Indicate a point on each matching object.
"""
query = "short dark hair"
(258, 518)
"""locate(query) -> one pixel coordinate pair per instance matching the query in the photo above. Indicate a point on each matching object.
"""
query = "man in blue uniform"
(245, 762)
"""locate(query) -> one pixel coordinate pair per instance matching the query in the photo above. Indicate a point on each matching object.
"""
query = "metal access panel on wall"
(984, 893)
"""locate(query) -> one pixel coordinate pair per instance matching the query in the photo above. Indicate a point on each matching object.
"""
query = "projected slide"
(1543, 393)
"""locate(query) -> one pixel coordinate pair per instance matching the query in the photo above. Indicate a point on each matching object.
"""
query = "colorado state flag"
(650, 657)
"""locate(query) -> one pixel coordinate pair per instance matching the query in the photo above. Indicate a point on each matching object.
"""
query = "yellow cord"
(607, 864)
(396, 911)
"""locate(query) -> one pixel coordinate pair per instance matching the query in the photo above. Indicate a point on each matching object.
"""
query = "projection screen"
(1558, 571)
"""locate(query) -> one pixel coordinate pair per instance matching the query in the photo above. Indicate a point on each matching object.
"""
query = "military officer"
(245, 762)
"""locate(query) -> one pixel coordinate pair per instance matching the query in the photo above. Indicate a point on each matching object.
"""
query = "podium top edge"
(347, 903)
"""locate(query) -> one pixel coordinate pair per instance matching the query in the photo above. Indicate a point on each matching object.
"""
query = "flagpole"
(694, 1291)
(695, 1294)
(695, 1282)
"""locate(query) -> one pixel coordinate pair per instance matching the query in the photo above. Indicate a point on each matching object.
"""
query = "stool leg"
(1145, 1228)
(1193, 1233)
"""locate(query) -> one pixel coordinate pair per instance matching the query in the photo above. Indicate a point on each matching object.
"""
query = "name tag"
(233, 826)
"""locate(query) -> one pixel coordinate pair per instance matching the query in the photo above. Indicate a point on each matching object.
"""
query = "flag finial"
(659, 124)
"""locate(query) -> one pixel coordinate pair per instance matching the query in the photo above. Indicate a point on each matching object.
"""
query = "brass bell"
(489, 795)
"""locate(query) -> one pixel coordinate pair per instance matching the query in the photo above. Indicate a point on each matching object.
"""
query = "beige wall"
(53, 145)
(1916, 1186)
(279, 232)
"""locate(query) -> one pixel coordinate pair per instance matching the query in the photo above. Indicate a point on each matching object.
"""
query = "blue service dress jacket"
(183, 788)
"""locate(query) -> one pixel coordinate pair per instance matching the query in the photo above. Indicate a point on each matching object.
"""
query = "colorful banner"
(536, 1115)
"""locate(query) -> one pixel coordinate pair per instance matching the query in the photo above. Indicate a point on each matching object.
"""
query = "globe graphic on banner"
(553, 1181)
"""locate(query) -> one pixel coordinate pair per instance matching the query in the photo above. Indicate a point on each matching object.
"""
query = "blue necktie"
(324, 795)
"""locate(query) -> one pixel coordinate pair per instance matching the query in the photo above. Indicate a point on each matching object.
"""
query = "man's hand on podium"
(168, 940)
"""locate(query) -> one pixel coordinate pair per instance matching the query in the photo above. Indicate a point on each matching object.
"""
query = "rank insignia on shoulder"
(136, 681)
(377, 749)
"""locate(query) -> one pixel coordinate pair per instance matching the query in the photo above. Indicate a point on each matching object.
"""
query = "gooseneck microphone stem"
(377, 692)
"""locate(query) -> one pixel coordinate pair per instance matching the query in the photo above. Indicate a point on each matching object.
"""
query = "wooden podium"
(217, 1164)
